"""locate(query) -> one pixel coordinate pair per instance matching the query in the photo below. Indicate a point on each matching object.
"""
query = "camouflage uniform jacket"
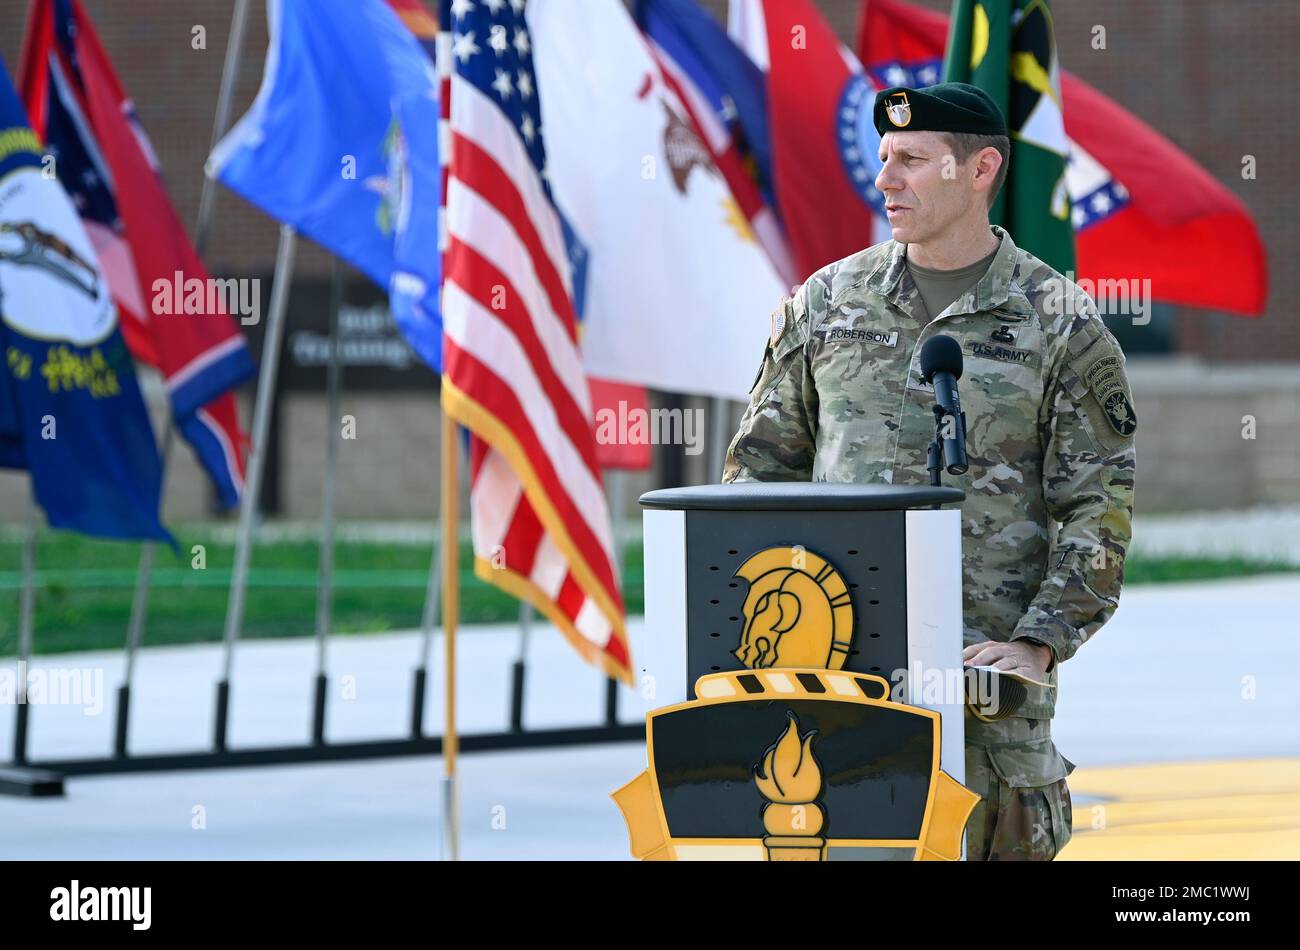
(1050, 429)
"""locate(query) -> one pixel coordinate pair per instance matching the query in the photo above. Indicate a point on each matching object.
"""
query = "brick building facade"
(1177, 64)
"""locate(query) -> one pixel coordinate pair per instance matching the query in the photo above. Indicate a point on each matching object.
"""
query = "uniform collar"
(892, 280)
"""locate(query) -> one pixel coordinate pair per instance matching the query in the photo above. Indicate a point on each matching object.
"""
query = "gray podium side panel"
(660, 651)
(934, 628)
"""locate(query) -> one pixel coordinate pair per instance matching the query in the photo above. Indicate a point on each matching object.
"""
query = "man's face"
(922, 202)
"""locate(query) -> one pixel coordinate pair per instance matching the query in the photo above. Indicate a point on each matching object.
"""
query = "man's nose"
(887, 180)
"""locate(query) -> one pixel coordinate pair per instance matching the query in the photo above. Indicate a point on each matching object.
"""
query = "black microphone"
(941, 365)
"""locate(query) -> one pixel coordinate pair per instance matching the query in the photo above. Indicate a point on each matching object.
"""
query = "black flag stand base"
(321, 693)
(417, 703)
(120, 723)
(30, 783)
(222, 712)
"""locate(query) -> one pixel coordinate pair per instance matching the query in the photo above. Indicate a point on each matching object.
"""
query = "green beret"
(945, 107)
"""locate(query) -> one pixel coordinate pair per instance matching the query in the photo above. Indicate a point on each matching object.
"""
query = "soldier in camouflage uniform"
(1050, 438)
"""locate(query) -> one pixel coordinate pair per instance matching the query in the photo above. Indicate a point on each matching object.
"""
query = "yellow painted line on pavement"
(1234, 809)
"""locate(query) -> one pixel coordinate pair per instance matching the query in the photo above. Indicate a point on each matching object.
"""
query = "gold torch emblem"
(791, 781)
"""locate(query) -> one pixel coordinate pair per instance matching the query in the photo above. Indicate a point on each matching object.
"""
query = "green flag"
(1008, 49)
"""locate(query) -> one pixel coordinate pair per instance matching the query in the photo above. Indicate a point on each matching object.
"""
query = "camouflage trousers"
(1025, 813)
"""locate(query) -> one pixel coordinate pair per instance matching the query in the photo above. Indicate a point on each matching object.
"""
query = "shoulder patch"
(779, 322)
(1119, 413)
(789, 330)
(1102, 372)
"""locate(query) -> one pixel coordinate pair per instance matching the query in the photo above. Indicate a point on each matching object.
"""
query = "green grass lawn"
(86, 586)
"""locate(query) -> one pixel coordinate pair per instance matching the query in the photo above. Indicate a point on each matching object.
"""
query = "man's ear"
(987, 162)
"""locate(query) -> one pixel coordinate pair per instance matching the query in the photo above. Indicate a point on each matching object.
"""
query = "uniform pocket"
(1031, 763)
(1061, 810)
(1035, 815)
(1007, 373)
(770, 374)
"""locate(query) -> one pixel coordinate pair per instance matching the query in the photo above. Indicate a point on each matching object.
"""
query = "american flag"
(513, 372)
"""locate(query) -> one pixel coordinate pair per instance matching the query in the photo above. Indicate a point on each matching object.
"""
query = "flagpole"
(519, 672)
(26, 628)
(430, 617)
(248, 502)
(139, 609)
(229, 70)
(447, 554)
(450, 617)
(617, 481)
(144, 571)
(325, 585)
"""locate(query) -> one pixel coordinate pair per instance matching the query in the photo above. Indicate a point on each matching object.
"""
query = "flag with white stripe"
(513, 373)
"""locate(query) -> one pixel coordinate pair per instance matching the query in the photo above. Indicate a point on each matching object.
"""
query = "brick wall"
(174, 87)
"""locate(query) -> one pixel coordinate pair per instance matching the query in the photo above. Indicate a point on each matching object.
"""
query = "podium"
(802, 664)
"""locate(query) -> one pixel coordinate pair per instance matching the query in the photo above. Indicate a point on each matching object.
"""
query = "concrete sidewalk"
(1198, 671)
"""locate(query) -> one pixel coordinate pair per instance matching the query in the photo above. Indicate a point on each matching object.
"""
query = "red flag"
(1142, 207)
(172, 312)
(619, 403)
(824, 209)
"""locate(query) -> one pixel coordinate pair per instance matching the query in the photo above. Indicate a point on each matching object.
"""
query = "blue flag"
(70, 407)
(342, 144)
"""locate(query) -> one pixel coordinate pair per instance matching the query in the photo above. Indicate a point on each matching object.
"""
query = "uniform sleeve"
(1089, 425)
(777, 436)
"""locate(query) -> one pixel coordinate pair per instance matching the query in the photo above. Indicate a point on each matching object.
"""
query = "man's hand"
(1019, 656)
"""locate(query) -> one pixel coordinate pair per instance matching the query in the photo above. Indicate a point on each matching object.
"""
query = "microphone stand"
(934, 454)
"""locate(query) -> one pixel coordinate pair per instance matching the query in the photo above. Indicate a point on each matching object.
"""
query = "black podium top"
(800, 496)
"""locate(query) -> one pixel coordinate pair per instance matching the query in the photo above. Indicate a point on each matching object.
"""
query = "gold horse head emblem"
(798, 612)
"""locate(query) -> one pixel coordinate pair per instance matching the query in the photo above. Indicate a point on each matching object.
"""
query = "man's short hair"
(966, 144)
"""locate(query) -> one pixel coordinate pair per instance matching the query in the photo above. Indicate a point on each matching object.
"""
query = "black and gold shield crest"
(794, 764)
